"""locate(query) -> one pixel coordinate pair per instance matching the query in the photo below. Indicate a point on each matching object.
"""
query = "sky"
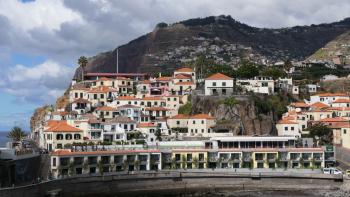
(41, 40)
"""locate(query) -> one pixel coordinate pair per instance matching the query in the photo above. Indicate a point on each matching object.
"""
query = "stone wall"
(173, 183)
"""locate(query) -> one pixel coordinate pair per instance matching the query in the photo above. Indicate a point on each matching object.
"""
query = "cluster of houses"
(129, 121)
(330, 109)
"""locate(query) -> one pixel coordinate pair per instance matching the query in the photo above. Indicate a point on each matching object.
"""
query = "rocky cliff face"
(243, 114)
(221, 38)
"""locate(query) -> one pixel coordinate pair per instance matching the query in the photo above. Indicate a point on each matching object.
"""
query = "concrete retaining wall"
(173, 183)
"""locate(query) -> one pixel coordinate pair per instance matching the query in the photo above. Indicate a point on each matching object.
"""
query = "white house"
(262, 85)
(218, 84)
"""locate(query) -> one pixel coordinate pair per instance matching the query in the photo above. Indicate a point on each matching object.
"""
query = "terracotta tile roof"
(299, 104)
(342, 101)
(127, 106)
(79, 86)
(102, 89)
(339, 108)
(185, 83)
(146, 125)
(319, 105)
(164, 78)
(336, 119)
(202, 116)
(340, 125)
(104, 79)
(81, 100)
(152, 98)
(61, 113)
(156, 109)
(62, 126)
(284, 121)
(127, 98)
(218, 76)
(180, 116)
(182, 76)
(331, 94)
(105, 108)
(51, 123)
(184, 70)
(119, 119)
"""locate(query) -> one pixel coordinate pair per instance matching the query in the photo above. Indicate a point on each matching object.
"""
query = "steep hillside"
(336, 51)
(221, 38)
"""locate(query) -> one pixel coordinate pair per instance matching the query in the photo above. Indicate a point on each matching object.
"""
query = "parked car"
(331, 171)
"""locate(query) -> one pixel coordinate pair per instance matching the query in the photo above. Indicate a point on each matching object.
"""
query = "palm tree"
(16, 134)
(82, 61)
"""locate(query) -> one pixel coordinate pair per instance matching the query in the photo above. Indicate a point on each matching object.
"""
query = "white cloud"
(64, 30)
(42, 83)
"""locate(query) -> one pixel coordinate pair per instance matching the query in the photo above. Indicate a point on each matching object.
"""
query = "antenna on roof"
(117, 60)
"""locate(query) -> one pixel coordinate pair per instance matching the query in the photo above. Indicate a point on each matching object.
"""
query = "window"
(223, 83)
(174, 99)
(202, 121)
(202, 130)
(76, 95)
(214, 83)
(68, 136)
(292, 128)
(168, 99)
(95, 96)
(81, 95)
(344, 131)
(102, 96)
(194, 122)
(286, 128)
(77, 136)
(177, 122)
(54, 161)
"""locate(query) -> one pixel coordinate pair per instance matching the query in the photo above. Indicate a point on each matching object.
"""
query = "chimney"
(160, 74)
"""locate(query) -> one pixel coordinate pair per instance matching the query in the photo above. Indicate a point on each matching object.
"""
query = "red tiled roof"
(202, 116)
(164, 79)
(102, 89)
(127, 98)
(299, 104)
(319, 105)
(218, 76)
(336, 119)
(331, 94)
(342, 101)
(185, 83)
(104, 79)
(62, 126)
(156, 109)
(184, 70)
(149, 98)
(81, 100)
(182, 76)
(146, 125)
(127, 106)
(105, 108)
(284, 121)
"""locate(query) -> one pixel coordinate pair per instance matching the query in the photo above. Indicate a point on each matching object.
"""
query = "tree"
(16, 134)
(82, 61)
(231, 102)
(186, 109)
(247, 70)
(287, 65)
(273, 72)
(322, 133)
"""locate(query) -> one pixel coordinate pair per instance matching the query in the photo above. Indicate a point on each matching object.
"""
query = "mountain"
(219, 37)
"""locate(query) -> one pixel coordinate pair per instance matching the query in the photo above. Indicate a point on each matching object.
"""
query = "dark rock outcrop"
(241, 115)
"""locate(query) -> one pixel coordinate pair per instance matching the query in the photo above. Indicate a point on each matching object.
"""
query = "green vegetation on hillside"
(277, 104)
